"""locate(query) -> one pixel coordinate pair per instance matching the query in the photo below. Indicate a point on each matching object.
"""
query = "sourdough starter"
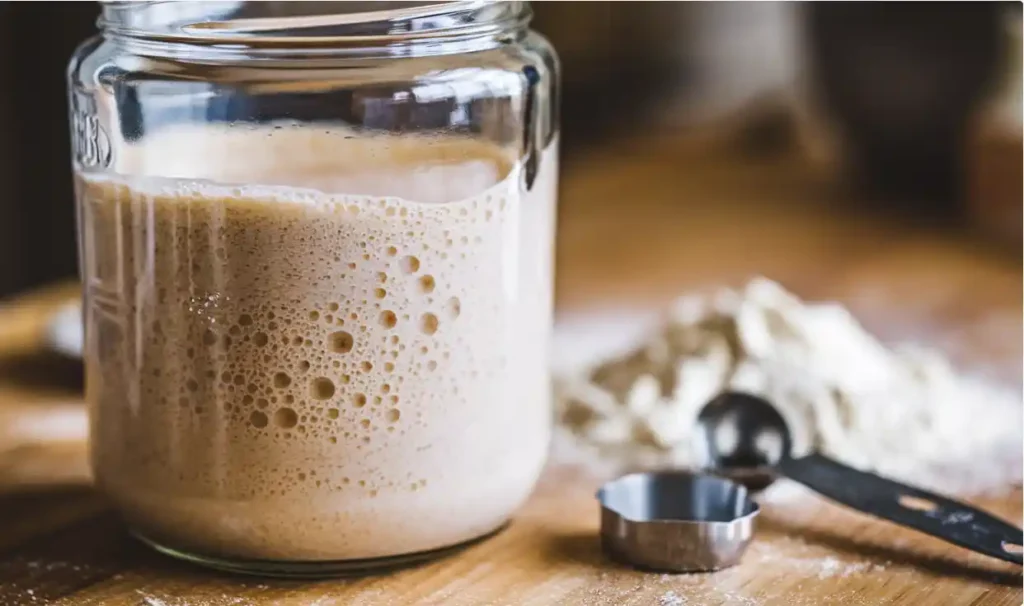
(348, 360)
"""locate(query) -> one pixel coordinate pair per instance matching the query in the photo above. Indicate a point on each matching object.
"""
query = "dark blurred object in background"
(903, 85)
(901, 79)
(37, 216)
(995, 147)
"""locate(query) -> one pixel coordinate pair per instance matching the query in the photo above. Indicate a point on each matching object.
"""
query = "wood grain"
(639, 224)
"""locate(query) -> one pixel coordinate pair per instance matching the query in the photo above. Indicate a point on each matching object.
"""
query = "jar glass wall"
(316, 241)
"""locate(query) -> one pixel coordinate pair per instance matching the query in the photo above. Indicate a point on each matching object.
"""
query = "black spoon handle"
(930, 513)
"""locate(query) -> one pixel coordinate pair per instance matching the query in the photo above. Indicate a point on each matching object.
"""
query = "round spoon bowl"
(744, 437)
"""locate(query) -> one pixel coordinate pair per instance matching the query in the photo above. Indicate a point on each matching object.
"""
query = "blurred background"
(832, 146)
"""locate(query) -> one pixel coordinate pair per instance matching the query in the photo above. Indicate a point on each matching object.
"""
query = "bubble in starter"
(454, 307)
(321, 388)
(260, 339)
(332, 413)
(393, 415)
(359, 400)
(428, 323)
(286, 418)
(410, 264)
(427, 284)
(341, 342)
(388, 319)
(258, 419)
(282, 380)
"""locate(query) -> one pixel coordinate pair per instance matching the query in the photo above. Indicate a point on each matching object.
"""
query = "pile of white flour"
(904, 413)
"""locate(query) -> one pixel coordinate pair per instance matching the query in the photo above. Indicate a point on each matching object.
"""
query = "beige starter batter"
(348, 360)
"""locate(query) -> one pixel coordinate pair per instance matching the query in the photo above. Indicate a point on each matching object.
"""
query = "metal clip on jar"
(316, 243)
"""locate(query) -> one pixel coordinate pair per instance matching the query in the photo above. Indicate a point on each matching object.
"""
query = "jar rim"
(305, 24)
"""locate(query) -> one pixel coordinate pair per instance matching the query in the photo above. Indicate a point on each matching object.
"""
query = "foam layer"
(291, 371)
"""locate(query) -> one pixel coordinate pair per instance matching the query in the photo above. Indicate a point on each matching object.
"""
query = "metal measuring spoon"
(748, 440)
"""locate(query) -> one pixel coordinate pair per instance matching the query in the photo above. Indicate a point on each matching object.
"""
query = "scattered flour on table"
(809, 561)
(902, 412)
(831, 567)
(200, 599)
(790, 558)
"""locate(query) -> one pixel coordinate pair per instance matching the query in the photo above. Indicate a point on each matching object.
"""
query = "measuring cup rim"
(752, 507)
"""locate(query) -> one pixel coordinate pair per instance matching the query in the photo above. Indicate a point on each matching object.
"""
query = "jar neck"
(285, 29)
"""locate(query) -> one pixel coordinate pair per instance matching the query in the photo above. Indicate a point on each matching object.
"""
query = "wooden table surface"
(639, 224)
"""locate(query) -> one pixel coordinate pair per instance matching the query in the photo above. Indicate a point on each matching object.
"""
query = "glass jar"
(316, 241)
